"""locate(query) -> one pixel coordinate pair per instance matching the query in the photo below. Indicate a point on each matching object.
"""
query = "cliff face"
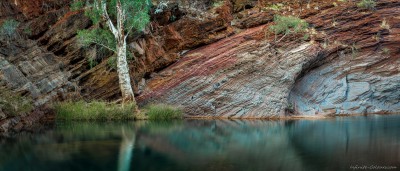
(350, 66)
(364, 79)
(217, 60)
(49, 62)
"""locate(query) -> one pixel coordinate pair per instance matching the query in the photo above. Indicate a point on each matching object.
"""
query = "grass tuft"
(367, 4)
(163, 112)
(288, 25)
(217, 4)
(96, 110)
(13, 104)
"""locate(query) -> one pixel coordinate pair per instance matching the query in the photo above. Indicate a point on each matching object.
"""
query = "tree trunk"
(123, 73)
(122, 65)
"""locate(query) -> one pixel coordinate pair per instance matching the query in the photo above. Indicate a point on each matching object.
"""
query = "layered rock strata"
(350, 66)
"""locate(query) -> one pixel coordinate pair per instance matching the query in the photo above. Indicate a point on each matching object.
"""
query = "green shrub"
(9, 29)
(367, 4)
(96, 110)
(163, 112)
(354, 50)
(13, 104)
(287, 25)
(28, 31)
(386, 51)
(217, 4)
(276, 7)
(92, 62)
(112, 62)
(77, 5)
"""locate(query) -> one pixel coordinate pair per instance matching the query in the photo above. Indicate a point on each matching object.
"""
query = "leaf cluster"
(77, 5)
(135, 12)
(99, 36)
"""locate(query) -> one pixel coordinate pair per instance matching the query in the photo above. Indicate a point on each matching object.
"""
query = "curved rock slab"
(366, 84)
(361, 74)
(238, 77)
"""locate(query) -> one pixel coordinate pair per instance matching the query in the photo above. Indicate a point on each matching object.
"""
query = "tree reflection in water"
(198, 145)
(126, 149)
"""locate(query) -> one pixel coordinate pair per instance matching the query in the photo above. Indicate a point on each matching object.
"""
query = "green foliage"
(276, 7)
(306, 36)
(93, 13)
(136, 18)
(367, 4)
(385, 25)
(95, 110)
(217, 3)
(386, 51)
(112, 62)
(98, 36)
(77, 5)
(14, 104)
(9, 29)
(92, 62)
(287, 25)
(290, 108)
(136, 12)
(354, 50)
(163, 112)
(27, 31)
(172, 18)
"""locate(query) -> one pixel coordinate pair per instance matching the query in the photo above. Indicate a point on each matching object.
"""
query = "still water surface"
(202, 145)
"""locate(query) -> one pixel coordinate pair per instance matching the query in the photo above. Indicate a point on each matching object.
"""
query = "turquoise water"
(341, 143)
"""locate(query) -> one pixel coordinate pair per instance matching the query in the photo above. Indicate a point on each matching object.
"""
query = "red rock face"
(200, 62)
(53, 31)
(29, 9)
(349, 68)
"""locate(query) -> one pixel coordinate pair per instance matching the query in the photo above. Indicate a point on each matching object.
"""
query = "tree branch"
(103, 45)
(108, 19)
(120, 19)
(129, 31)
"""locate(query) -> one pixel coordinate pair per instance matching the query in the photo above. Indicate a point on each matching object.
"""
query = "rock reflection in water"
(332, 144)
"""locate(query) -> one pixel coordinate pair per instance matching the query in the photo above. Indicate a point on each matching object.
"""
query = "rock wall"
(50, 64)
(32, 70)
(350, 65)
(362, 75)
